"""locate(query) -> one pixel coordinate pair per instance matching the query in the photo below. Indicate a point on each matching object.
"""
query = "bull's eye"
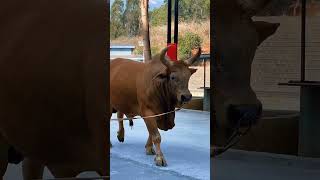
(173, 78)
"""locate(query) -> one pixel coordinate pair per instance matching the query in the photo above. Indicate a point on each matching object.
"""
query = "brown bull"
(237, 39)
(52, 95)
(151, 88)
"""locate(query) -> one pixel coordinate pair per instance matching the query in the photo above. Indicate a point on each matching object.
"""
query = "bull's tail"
(131, 123)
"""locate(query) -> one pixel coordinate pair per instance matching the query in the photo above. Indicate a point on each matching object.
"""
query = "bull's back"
(123, 91)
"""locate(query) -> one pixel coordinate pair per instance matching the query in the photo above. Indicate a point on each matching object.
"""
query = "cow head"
(237, 38)
(170, 80)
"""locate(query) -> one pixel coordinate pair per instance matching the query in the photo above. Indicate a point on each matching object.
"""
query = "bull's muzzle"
(186, 98)
(244, 115)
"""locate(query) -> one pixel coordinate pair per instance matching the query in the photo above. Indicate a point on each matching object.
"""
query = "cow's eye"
(173, 78)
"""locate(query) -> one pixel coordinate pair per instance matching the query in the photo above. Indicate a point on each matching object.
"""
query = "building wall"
(278, 60)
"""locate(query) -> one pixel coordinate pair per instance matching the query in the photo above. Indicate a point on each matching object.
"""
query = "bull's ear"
(192, 70)
(265, 29)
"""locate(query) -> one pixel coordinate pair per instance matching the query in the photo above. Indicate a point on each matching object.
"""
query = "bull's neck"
(162, 97)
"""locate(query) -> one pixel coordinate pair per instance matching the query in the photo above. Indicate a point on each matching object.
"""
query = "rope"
(146, 117)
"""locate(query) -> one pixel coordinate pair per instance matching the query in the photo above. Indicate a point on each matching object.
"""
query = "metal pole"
(303, 38)
(176, 9)
(169, 23)
(204, 74)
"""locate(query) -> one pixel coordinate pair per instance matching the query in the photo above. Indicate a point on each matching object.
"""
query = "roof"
(122, 46)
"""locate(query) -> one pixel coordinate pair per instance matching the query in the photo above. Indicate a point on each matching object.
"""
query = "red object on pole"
(172, 51)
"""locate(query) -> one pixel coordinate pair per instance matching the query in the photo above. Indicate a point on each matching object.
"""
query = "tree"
(132, 18)
(189, 10)
(144, 7)
(159, 16)
(116, 19)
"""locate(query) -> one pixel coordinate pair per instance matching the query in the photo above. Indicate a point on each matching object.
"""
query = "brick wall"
(278, 60)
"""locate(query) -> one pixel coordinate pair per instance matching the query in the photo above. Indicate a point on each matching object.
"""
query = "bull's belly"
(126, 106)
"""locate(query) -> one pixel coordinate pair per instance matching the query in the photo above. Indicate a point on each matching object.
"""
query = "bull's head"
(237, 38)
(171, 81)
(178, 75)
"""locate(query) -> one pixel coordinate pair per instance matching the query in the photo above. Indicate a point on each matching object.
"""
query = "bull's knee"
(150, 150)
(156, 138)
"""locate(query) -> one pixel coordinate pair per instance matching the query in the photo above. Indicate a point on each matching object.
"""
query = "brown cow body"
(148, 89)
(52, 95)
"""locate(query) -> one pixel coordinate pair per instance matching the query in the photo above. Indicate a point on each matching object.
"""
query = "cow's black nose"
(244, 115)
(186, 97)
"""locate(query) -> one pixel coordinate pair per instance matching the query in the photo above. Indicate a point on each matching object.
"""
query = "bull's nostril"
(186, 98)
(183, 98)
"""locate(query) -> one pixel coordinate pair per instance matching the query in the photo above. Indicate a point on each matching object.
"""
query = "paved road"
(243, 165)
(186, 149)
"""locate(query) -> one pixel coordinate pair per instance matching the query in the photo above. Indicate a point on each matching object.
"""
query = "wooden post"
(144, 5)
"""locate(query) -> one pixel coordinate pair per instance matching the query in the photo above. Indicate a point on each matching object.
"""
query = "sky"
(152, 3)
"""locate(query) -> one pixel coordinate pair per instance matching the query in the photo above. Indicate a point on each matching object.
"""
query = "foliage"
(188, 42)
(138, 50)
(155, 50)
(116, 19)
(132, 18)
(158, 16)
(189, 10)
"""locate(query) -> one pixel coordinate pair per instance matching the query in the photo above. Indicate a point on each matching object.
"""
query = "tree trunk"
(144, 5)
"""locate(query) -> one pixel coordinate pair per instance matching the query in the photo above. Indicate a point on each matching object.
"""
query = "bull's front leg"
(155, 137)
(149, 146)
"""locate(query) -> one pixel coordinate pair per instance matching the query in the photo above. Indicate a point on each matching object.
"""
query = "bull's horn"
(252, 7)
(163, 59)
(191, 60)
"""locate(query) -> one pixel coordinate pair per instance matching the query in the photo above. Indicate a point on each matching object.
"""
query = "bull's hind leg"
(120, 132)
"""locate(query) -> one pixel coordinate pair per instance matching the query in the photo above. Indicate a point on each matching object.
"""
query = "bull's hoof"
(150, 151)
(120, 136)
(120, 139)
(160, 161)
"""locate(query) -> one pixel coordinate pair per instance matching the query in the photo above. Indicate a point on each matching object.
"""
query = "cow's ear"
(265, 29)
(192, 70)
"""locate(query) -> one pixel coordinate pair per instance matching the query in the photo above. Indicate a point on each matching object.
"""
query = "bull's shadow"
(237, 38)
